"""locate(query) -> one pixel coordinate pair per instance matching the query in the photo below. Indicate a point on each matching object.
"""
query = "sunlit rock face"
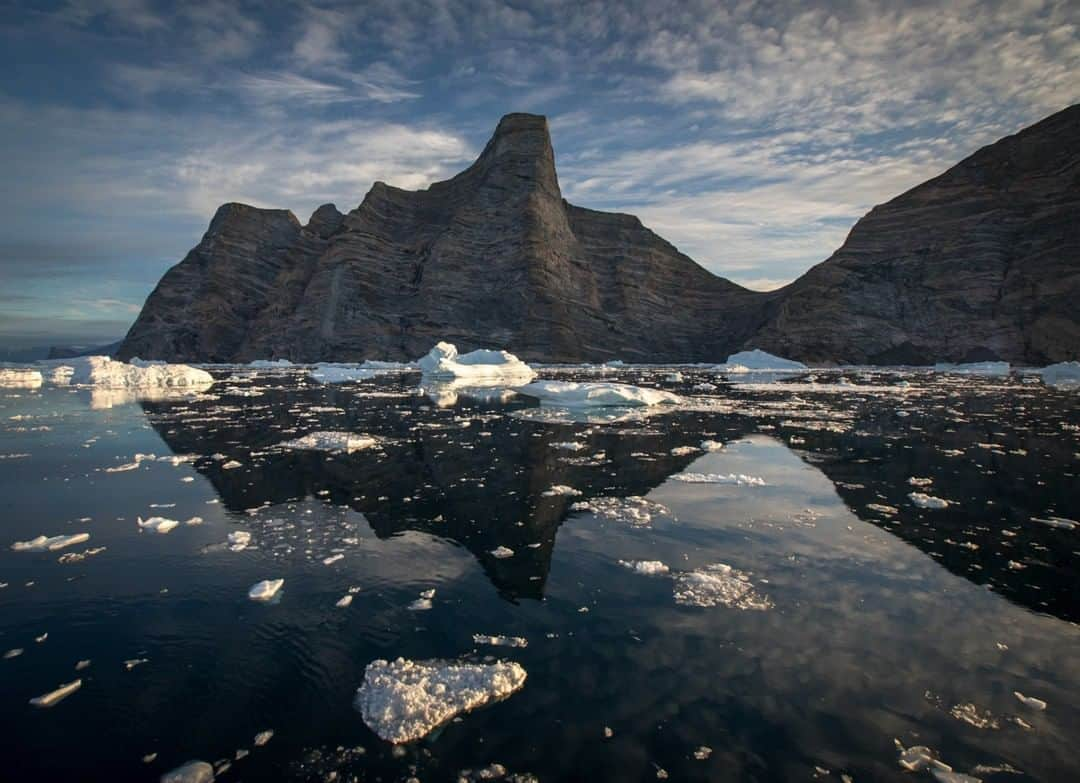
(976, 264)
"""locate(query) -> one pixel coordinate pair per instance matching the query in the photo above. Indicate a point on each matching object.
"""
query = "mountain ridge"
(495, 256)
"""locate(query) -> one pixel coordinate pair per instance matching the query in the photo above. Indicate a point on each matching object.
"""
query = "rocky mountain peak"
(325, 220)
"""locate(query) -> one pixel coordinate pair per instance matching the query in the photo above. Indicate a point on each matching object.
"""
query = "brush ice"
(718, 585)
(101, 371)
(157, 524)
(646, 567)
(749, 361)
(405, 700)
(443, 361)
(190, 772)
(1064, 374)
(265, 590)
(340, 442)
(572, 394)
(55, 697)
(49, 543)
(20, 378)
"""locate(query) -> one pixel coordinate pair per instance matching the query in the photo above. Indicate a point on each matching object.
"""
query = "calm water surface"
(887, 622)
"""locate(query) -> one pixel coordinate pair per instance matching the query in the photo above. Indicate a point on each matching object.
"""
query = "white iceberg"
(21, 378)
(404, 700)
(443, 361)
(572, 394)
(748, 361)
(265, 590)
(1066, 374)
(340, 442)
(101, 371)
(974, 368)
(49, 543)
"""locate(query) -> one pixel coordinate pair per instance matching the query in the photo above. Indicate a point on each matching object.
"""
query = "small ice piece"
(571, 394)
(265, 590)
(1030, 701)
(711, 445)
(568, 445)
(231, 465)
(718, 585)
(49, 543)
(756, 359)
(702, 752)
(133, 662)
(334, 442)
(500, 641)
(646, 567)
(190, 772)
(238, 540)
(918, 758)
(263, 737)
(560, 490)
(157, 524)
(332, 559)
(916, 481)
(502, 552)
(344, 601)
(922, 500)
(83, 664)
(682, 451)
(14, 652)
(720, 478)
(1058, 522)
(405, 700)
(443, 361)
(55, 697)
(20, 378)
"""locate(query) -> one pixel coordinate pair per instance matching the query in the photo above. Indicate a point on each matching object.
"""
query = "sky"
(750, 134)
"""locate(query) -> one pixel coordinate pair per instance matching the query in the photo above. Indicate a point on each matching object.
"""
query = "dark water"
(883, 622)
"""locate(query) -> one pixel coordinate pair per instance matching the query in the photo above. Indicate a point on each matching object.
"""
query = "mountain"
(980, 262)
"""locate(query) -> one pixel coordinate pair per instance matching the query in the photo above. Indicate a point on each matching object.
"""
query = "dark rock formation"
(980, 262)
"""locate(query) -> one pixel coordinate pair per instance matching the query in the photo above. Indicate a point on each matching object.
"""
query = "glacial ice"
(101, 371)
(405, 700)
(1063, 374)
(573, 394)
(49, 543)
(21, 378)
(749, 361)
(341, 442)
(265, 590)
(443, 361)
(974, 368)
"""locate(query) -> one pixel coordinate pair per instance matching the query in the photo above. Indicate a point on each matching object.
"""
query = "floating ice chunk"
(974, 368)
(404, 700)
(238, 540)
(711, 445)
(344, 601)
(14, 652)
(265, 590)
(720, 478)
(266, 364)
(718, 585)
(674, 377)
(502, 552)
(915, 481)
(569, 445)
(500, 641)
(1063, 374)
(263, 737)
(647, 567)
(970, 714)
(918, 758)
(443, 361)
(190, 772)
(133, 662)
(747, 361)
(231, 465)
(702, 752)
(634, 510)
(328, 373)
(560, 489)
(49, 543)
(342, 442)
(948, 776)
(102, 371)
(157, 524)
(1030, 701)
(55, 697)
(20, 378)
(1058, 522)
(922, 500)
(572, 394)
(682, 451)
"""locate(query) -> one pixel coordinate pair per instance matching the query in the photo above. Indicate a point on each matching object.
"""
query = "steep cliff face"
(980, 262)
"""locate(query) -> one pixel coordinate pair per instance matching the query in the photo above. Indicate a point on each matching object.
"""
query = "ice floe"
(718, 585)
(49, 543)
(339, 442)
(633, 510)
(572, 394)
(444, 361)
(756, 359)
(405, 700)
(56, 696)
(265, 590)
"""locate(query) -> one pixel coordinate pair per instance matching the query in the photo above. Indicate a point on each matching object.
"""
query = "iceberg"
(157, 524)
(443, 361)
(572, 394)
(405, 700)
(49, 543)
(748, 361)
(974, 368)
(1065, 374)
(101, 371)
(21, 378)
(266, 364)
